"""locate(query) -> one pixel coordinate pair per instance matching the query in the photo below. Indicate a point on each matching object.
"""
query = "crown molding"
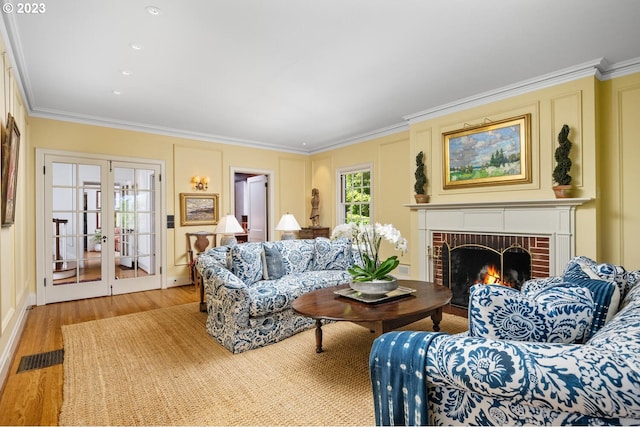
(591, 68)
(158, 130)
(367, 136)
(621, 69)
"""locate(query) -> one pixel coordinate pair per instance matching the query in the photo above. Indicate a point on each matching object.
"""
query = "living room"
(598, 100)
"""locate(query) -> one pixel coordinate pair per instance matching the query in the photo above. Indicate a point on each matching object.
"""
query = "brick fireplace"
(463, 259)
(542, 230)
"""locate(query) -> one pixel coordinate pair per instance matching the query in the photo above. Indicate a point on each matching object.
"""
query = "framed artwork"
(10, 152)
(494, 153)
(198, 209)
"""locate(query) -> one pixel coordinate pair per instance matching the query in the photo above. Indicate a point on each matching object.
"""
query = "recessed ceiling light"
(135, 46)
(116, 92)
(153, 10)
(126, 73)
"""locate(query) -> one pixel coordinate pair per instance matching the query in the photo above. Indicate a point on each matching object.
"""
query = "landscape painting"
(489, 154)
(198, 209)
(10, 151)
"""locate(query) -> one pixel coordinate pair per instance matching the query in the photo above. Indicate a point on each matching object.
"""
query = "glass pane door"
(102, 227)
(77, 266)
(135, 223)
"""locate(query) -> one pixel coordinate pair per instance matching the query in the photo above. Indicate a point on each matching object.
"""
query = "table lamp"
(287, 225)
(228, 226)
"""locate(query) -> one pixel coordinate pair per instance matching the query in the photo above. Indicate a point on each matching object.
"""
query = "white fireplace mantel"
(554, 218)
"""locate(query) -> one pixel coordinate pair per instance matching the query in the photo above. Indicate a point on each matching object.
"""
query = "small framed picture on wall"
(198, 209)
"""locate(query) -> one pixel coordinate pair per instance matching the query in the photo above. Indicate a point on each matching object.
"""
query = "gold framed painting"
(10, 152)
(493, 153)
(198, 209)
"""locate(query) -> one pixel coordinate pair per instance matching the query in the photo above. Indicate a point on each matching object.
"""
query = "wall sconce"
(200, 183)
(287, 225)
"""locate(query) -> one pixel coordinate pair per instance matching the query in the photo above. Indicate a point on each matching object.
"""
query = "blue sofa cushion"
(297, 255)
(272, 264)
(271, 296)
(560, 314)
(246, 262)
(332, 254)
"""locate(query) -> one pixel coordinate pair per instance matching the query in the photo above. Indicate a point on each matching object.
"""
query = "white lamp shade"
(288, 223)
(228, 224)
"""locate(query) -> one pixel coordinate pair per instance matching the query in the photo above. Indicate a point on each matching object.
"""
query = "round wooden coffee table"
(379, 317)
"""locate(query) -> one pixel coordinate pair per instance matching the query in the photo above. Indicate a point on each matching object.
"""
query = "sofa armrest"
(579, 378)
(227, 293)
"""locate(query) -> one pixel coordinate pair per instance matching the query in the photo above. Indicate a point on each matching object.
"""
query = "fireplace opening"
(469, 264)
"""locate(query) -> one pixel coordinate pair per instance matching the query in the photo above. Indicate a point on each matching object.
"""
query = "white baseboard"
(15, 333)
(178, 281)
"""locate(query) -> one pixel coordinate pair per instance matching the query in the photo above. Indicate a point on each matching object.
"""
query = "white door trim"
(233, 170)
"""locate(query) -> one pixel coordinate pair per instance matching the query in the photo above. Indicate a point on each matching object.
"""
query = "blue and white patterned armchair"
(497, 375)
(249, 288)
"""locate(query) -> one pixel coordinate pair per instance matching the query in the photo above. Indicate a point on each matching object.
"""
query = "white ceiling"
(299, 75)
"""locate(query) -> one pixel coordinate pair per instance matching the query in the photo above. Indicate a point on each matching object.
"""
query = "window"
(355, 195)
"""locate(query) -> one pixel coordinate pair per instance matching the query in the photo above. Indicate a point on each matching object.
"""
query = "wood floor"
(34, 397)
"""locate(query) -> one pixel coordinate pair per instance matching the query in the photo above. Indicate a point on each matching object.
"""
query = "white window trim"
(352, 169)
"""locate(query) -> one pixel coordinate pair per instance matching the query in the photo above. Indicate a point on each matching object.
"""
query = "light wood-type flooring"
(34, 397)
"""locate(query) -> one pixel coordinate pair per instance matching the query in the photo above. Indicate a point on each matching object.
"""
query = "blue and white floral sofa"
(581, 367)
(249, 288)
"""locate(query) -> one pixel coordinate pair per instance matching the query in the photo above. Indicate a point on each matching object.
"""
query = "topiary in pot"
(563, 165)
(421, 180)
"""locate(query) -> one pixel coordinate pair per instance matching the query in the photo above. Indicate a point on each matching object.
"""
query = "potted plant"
(370, 275)
(97, 240)
(421, 180)
(561, 177)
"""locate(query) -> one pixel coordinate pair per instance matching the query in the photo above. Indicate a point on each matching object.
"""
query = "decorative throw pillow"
(605, 294)
(533, 286)
(561, 314)
(603, 271)
(272, 264)
(246, 262)
(297, 254)
(332, 254)
(220, 254)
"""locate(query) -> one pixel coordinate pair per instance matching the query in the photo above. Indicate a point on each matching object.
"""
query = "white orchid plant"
(366, 239)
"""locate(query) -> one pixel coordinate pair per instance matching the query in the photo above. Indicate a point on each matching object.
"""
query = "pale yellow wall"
(619, 146)
(183, 159)
(605, 130)
(570, 103)
(390, 158)
(16, 272)
(189, 162)
(290, 188)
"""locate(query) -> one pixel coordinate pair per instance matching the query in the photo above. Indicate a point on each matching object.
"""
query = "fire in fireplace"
(469, 264)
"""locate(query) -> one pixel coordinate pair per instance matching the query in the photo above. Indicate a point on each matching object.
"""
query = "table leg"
(203, 304)
(318, 336)
(437, 318)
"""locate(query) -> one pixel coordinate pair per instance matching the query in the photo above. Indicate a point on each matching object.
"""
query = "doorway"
(101, 222)
(252, 201)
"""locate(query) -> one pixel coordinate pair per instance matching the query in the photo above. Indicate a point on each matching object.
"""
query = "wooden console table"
(313, 232)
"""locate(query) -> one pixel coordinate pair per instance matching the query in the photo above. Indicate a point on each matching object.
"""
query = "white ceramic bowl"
(376, 287)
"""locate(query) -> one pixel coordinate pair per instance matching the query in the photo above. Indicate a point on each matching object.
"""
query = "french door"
(101, 226)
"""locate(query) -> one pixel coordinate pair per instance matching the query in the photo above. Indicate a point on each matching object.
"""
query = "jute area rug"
(161, 367)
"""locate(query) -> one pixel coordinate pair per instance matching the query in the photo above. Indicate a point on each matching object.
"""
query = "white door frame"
(233, 170)
(41, 154)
